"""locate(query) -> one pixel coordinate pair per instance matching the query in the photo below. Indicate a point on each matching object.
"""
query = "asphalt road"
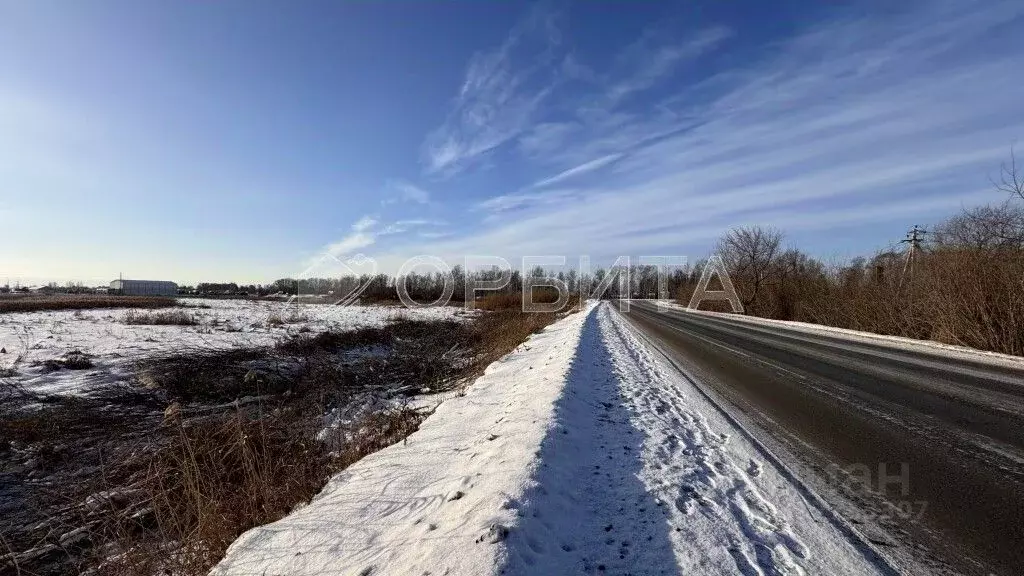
(922, 452)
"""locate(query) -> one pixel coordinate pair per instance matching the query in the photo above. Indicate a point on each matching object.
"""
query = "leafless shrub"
(170, 318)
(965, 288)
(976, 298)
(992, 226)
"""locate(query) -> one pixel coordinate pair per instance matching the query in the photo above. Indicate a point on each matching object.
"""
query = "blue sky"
(241, 140)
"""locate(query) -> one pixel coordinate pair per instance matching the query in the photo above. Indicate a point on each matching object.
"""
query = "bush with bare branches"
(967, 288)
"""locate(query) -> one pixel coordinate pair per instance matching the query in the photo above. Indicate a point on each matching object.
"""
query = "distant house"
(143, 288)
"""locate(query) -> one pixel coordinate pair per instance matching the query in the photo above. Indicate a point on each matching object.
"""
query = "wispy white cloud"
(406, 192)
(857, 119)
(578, 170)
(546, 138)
(368, 230)
(361, 236)
(401, 226)
(350, 244)
(435, 235)
(651, 59)
(510, 93)
(502, 91)
(509, 202)
(364, 224)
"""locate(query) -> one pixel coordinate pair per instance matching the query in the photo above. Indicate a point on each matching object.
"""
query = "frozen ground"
(32, 338)
(579, 453)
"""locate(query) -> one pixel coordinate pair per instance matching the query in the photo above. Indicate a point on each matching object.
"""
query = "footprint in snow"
(754, 469)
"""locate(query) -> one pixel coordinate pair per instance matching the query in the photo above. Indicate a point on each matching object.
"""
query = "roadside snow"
(579, 453)
(439, 503)
(925, 346)
(730, 510)
(32, 338)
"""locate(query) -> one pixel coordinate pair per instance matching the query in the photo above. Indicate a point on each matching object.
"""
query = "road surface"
(922, 452)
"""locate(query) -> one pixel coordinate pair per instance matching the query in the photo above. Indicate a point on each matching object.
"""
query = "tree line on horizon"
(964, 285)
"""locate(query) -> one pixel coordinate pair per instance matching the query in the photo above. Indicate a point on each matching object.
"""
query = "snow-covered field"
(29, 339)
(579, 453)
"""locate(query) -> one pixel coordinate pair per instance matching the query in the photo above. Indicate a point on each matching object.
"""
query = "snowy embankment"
(31, 339)
(580, 452)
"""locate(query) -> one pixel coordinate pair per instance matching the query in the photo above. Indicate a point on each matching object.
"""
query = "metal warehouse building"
(143, 288)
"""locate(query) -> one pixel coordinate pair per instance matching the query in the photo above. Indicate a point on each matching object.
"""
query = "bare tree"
(983, 227)
(992, 225)
(1010, 181)
(749, 254)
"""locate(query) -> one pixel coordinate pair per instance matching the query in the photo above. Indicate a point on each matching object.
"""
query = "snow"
(582, 452)
(31, 338)
(911, 344)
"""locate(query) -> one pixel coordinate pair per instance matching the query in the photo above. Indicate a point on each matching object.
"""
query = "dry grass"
(218, 477)
(514, 300)
(73, 360)
(498, 332)
(499, 301)
(162, 478)
(168, 318)
(204, 375)
(170, 498)
(34, 303)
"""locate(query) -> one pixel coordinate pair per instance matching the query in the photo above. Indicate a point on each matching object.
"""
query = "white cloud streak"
(407, 193)
(578, 170)
(361, 236)
(854, 120)
(364, 223)
(508, 202)
(499, 97)
(401, 226)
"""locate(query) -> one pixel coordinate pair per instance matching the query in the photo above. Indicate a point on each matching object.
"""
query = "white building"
(143, 288)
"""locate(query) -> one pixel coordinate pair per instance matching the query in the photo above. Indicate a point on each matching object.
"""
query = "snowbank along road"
(921, 446)
(583, 452)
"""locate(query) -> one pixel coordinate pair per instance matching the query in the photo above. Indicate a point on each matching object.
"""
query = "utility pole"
(915, 237)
